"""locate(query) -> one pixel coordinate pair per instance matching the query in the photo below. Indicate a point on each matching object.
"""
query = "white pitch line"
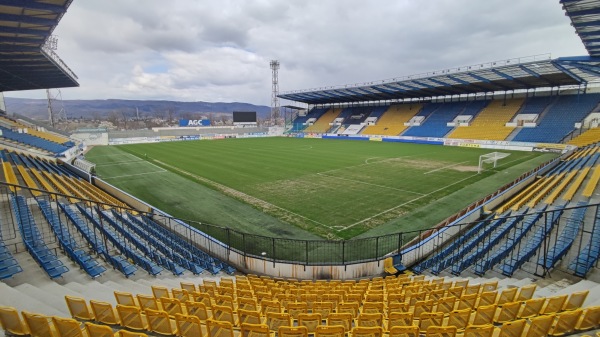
(107, 155)
(380, 161)
(133, 175)
(406, 203)
(415, 199)
(366, 183)
(445, 167)
(261, 200)
(121, 162)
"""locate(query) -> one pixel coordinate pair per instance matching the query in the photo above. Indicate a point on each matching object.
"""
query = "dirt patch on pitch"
(420, 164)
(465, 168)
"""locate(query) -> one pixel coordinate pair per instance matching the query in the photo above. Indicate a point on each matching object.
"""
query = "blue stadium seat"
(33, 240)
(528, 250)
(588, 256)
(439, 114)
(482, 244)
(68, 243)
(95, 241)
(519, 231)
(119, 241)
(33, 141)
(560, 118)
(566, 238)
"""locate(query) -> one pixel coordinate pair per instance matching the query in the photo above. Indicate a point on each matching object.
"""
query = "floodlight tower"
(275, 92)
(56, 109)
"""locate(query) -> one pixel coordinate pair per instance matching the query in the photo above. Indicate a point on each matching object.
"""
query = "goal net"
(491, 158)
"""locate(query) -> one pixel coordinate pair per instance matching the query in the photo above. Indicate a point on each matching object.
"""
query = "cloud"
(220, 50)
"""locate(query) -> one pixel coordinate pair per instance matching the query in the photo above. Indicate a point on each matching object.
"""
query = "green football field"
(307, 188)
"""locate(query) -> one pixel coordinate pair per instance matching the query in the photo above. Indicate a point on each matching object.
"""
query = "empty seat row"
(33, 240)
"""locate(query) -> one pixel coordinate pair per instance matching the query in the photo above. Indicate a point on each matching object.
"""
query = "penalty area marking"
(379, 161)
(406, 203)
(366, 183)
(446, 167)
(424, 195)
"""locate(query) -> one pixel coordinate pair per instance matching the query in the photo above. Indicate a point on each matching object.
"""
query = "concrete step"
(30, 301)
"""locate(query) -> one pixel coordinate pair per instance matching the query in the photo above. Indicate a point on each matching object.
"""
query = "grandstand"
(392, 122)
(490, 123)
(79, 257)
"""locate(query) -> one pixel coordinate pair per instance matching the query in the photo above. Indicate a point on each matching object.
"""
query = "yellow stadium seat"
(68, 327)
(104, 312)
(39, 325)
(219, 329)
(575, 300)
(399, 319)
(125, 298)
(224, 314)
(532, 307)
(332, 331)
(292, 331)
(197, 309)
(513, 328)
(565, 323)
(310, 321)
(171, 305)
(249, 316)
(79, 308)
(160, 291)
(159, 322)
(427, 319)
(486, 330)
(508, 312)
(526, 292)
(367, 331)
(296, 308)
(370, 319)
(189, 326)
(554, 304)
(125, 333)
(131, 317)
(507, 295)
(98, 330)
(590, 319)
(245, 303)
(404, 331)
(459, 318)
(487, 298)
(540, 326)
(276, 319)
(323, 308)
(343, 319)
(255, 330)
(181, 294)
(441, 331)
(147, 302)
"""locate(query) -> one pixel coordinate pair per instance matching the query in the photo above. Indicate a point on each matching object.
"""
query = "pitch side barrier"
(472, 143)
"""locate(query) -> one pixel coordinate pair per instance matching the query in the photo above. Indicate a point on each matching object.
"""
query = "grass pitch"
(331, 188)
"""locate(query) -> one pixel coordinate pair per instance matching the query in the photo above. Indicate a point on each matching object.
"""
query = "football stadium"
(461, 202)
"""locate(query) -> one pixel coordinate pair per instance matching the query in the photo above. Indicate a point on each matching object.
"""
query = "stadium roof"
(515, 74)
(585, 18)
(26, 61)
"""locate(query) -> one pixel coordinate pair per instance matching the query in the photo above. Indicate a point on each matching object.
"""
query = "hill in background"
(101, 109)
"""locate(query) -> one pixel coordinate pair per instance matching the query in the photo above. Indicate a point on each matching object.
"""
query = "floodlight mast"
(275, 92)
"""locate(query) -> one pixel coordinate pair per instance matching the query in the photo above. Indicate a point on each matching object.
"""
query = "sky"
(219, 50)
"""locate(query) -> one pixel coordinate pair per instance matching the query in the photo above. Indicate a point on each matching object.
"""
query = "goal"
(491, 158)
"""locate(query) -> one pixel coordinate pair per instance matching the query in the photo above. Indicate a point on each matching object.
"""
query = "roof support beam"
(589, 11)
(28, 19)
(479, 88)
(595, 71)
(568, 72)
(31, 4)
(25, 40)
(25, 31)
(508, 77)
(448, 86)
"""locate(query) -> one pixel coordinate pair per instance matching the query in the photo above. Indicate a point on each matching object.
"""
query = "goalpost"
(491, 158)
